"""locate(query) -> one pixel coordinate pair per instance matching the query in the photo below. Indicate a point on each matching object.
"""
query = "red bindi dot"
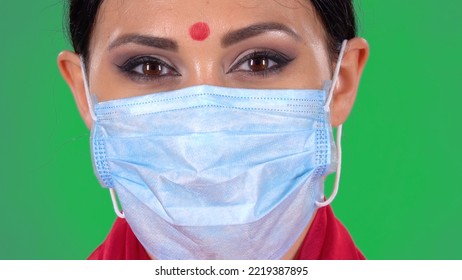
(199, 31)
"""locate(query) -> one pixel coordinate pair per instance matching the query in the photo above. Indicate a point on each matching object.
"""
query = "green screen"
(400, 190)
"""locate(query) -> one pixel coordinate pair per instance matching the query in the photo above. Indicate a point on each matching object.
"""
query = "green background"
(401, 191)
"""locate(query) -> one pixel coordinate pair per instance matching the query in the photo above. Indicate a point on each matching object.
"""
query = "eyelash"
(280, 60)
(129, 66)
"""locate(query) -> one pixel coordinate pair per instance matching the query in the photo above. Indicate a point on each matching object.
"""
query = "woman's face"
(145, 46)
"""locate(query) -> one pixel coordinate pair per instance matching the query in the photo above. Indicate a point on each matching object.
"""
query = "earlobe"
(70, 67)
(353, 63)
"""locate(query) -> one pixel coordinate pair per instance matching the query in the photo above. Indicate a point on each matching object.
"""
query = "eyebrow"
(239, 35)
(145, 40)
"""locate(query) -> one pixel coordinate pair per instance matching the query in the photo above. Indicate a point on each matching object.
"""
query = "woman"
(212, 123)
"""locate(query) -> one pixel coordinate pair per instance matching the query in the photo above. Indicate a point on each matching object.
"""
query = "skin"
(215, 60)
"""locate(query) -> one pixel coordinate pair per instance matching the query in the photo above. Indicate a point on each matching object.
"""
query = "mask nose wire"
(91, 109)
(338, 141)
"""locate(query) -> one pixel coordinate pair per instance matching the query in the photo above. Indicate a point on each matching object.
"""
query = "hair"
(337, 16)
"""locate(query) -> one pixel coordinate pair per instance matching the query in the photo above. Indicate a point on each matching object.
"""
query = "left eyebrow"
(145, 40)
(236, 36)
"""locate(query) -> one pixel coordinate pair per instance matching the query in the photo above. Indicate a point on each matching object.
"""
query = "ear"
(354, 60)
(69, 65)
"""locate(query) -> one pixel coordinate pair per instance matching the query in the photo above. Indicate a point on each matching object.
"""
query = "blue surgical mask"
(208, 172)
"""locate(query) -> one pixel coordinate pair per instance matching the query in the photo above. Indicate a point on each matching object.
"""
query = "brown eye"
(147, 67)
(258, 64)
(152, 69)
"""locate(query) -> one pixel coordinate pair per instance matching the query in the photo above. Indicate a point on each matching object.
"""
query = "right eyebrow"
(242, 34)
(145, 40)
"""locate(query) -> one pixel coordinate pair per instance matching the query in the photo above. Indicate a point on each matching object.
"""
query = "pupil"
(258, 64)
(152, 69)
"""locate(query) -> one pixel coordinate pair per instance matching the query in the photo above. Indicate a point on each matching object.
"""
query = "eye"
(152, 69)
(147, 67)
(261, 62)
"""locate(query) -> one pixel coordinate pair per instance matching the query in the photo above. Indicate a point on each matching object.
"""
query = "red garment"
(327, 239)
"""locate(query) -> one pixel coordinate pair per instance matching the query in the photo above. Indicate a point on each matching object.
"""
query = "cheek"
(308, 72)
(105, 84)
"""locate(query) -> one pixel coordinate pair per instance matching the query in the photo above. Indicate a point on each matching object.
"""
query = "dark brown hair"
(338, 18)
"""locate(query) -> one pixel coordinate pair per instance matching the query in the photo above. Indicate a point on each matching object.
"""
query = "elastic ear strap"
(119, 213)
(337, 173)
(335, 76)
(87, 89)
(93, 116)
(338, 141)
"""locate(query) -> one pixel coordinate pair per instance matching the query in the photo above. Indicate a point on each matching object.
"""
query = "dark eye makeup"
(147, 68)
(259, 63)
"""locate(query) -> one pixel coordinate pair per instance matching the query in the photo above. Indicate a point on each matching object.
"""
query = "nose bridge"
(204, 68)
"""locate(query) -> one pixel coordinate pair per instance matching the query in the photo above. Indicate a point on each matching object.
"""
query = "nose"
(205, 71)
(204, 66)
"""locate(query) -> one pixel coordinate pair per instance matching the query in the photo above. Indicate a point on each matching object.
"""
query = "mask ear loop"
(338, 141)
(87, 90)
(118, 212)
(112, 192)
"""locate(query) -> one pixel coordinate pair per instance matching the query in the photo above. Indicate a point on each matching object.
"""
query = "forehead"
(173, 18)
